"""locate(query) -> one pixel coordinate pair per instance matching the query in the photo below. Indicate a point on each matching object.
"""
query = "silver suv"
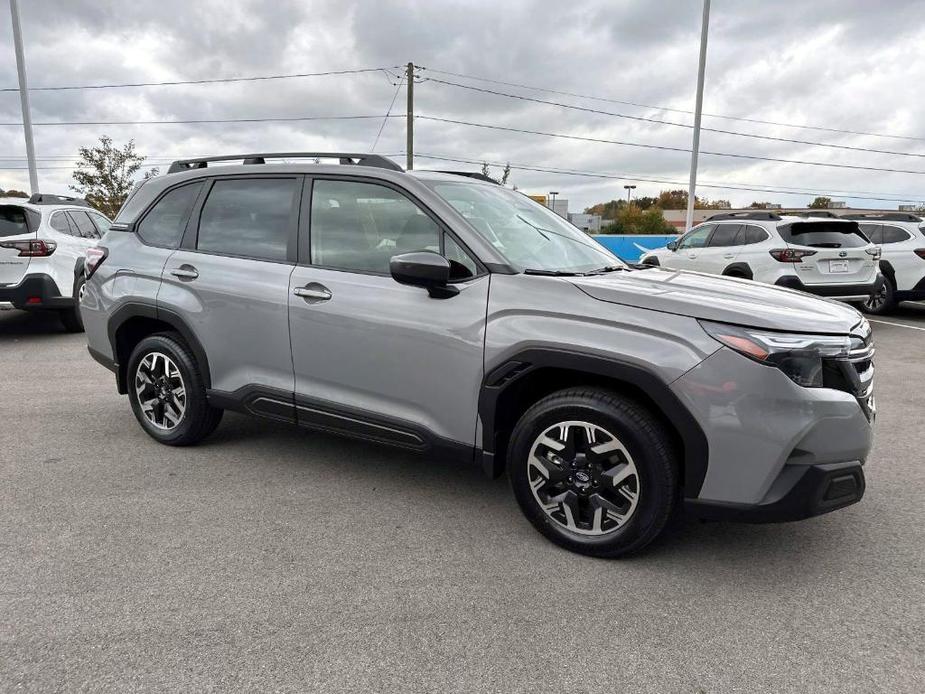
(453, 317)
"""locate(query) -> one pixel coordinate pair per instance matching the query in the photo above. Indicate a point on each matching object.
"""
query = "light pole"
(24, 96)
(629, 193)
(698, 108)
(552, 197)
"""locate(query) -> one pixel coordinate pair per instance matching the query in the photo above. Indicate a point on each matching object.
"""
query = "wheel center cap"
(582, 479)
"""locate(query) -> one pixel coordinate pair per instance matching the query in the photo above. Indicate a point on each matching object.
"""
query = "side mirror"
(424, 269)
(672, 246)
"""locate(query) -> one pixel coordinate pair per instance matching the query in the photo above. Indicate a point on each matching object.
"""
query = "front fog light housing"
(799, 356)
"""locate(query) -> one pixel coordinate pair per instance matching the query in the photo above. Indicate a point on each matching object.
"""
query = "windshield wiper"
(606, 268)
(552, 273)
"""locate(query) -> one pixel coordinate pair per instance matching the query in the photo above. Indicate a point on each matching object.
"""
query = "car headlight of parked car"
(800, 356)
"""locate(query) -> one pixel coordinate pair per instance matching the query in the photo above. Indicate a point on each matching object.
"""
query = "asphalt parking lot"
(275, 559)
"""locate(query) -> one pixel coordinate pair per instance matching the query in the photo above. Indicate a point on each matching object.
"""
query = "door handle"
(691, 255)
(728, 256)
(313, 293)
(185, 272)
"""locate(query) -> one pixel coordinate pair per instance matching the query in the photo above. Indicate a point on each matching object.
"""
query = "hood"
(721, 299)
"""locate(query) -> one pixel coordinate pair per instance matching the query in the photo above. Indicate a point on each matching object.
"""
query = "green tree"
(13, 193)
(633, 220)
(820, 203)
(105, 174)
(759, 205)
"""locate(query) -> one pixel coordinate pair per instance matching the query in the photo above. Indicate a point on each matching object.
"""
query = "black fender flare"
(145, 310)
(886, 268)
(696, 447)
(652, 260)
(78, 268)
(739, 270)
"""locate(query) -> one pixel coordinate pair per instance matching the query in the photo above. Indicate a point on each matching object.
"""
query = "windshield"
(528, 235)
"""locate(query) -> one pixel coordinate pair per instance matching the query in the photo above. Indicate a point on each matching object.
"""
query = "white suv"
(42, 246)
(820, 254)
(901, 237)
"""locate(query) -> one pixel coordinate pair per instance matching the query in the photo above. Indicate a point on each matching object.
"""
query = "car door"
(689, 248)
(721, 249)
(906, 264)
(229, 281)
(374, 357)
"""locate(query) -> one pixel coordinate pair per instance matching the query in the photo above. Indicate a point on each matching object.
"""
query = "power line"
(668, 148)
(388, 114)
(658, 121)
(217, 80)
(677, 110)
(199, 121)
(631, 177)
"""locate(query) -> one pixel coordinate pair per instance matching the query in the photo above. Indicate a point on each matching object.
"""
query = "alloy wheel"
(878, 300)
(583, 478)
(160, 390)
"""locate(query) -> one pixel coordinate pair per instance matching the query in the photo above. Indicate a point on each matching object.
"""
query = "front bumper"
(800, 491)
(37, 291)
(845, 292)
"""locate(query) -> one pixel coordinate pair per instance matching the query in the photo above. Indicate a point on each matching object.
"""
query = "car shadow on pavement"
(15, 323)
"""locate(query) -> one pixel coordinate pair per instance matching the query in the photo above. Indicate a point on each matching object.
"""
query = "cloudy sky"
(845, 65)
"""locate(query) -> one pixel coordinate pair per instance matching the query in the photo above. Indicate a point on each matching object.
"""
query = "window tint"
(85, 228)
(59, 223)
(249, 218)
(755, 234)
(894, 235)
(13, 221)
(461, 265)
(874, 232)
(696, 238)
(163, 225)
(360, 226)
(727, 235)
(101, 223)
(823, 234)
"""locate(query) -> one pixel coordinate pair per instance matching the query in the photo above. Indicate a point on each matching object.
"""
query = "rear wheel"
(883, 301)
(593, 471)
(167, 392)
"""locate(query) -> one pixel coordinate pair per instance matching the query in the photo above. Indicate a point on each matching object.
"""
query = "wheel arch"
(511, 388)
(739, 270)
(131, 323)
(886, 267)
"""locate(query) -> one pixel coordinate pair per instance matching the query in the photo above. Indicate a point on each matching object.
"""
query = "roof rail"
(884, 216)
(356, 159)
(49, 199)
(828, 214)
(477, 175)
(757, 214)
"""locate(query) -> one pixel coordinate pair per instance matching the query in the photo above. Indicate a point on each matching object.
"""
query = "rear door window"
(893, 235)
(727, 235)
(252, 218)
(164, 224)
(85, 228)
(823, 234)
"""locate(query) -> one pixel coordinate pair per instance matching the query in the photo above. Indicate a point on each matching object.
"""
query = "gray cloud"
(847, 64)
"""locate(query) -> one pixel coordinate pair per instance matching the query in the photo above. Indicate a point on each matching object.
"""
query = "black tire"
(70, 317)
(644, 438)
(883, 302)
(199, 419)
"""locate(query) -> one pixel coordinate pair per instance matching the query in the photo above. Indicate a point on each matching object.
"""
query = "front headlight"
(800, 356)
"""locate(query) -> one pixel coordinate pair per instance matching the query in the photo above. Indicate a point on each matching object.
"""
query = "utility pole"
(409, 147)
(698, 108)
(24, 97)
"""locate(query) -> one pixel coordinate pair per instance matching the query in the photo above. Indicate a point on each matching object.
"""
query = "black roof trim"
(757, 214)
(49, 199)
(477, 175)
(347, 158)
(884, 216)
(827, 214)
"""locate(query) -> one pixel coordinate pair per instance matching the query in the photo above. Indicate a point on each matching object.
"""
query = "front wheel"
(167, 392)
(883, 301)
(593, 471)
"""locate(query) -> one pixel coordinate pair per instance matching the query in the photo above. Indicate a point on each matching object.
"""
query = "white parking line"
(899, 325)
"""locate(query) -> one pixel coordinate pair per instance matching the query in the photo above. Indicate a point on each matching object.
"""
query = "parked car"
(456, 318)
(822, 255)
(42, 246)
(901, 237)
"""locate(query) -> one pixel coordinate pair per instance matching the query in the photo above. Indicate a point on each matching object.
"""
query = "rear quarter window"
(823, 234)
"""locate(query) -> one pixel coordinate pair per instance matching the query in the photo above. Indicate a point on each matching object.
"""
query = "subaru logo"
(843, 254)
(582, 477)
